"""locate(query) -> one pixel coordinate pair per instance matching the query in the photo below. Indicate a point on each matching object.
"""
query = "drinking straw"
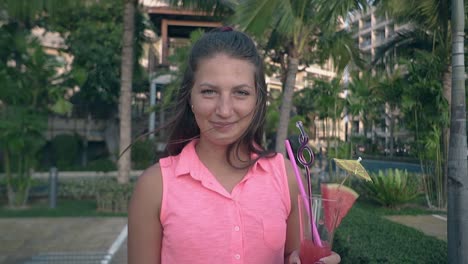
(315, 234)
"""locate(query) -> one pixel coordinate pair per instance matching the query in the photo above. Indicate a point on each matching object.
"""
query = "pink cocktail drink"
(317, 227)
(311, 253)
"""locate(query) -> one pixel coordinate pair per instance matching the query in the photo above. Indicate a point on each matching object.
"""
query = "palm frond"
(404, 43)
(287, 17)
(330, 11)
(256, 16)
(340, 47)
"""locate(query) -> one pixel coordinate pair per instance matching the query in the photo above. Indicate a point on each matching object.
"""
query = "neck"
(214, 154)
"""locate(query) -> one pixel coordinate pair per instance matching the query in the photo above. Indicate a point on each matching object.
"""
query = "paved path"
(23, 238)
(432, 225)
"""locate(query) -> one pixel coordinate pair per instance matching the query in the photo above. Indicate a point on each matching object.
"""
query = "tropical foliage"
(426, 114)
(31, 88)
(393, 188)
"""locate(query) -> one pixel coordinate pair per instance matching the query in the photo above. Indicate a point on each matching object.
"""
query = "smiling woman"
(223, 100)
(220, 197)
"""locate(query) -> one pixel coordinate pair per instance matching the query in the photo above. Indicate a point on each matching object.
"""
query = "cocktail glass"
(317, 226)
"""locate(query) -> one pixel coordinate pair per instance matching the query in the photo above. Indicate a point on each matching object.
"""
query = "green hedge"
(110, 196)
(366, 237)
(114, 197)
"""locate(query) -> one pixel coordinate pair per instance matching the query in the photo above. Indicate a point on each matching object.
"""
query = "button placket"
(237, 244)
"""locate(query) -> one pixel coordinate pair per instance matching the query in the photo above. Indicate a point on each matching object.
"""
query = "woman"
(219, 197)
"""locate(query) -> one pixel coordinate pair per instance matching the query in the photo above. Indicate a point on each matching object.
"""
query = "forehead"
(224, 65)
(222, 57)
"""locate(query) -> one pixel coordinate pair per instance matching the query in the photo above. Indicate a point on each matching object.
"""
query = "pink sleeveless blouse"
(203, 223)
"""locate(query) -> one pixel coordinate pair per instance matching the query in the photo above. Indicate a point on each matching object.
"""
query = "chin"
(221, 141)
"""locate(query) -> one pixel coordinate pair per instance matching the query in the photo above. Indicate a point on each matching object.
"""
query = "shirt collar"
(189, 163)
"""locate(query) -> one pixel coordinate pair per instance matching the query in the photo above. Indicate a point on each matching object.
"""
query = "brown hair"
(183, 127)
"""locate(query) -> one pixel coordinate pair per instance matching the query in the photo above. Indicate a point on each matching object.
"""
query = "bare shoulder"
(152, 174)
(148, 189)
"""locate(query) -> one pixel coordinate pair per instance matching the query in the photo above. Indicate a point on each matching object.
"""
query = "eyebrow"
(244, 85)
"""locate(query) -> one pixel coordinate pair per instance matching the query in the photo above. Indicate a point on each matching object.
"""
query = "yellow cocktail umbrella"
(353, 167)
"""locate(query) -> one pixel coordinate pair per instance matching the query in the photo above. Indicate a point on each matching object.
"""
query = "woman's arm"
(292, 233)
(144, 225)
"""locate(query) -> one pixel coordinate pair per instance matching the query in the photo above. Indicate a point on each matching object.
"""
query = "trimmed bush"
(110, 196)
(114, 197)
(365, 237)
(81, 188)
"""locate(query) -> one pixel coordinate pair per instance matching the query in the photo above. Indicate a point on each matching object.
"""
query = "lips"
(222, 125)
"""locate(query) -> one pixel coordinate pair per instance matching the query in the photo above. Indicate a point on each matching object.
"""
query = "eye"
(242, 93)
(208, 92)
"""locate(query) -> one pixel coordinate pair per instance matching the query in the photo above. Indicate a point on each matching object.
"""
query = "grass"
(65, 208)
(365, 236)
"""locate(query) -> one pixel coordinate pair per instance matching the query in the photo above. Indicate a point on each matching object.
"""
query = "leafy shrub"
(143, 154)
(104, 165)
(81, 188)
(66, 149)
(392, 188)
(110, 196)
(365, 237)
(114, 197)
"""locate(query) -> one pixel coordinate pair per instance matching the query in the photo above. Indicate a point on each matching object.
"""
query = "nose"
(224, 106)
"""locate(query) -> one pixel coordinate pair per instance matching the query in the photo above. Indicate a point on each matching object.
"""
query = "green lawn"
(65, 208)
(365, 236)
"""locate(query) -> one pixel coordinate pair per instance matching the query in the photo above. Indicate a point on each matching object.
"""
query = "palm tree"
(431, 18)
(424, 110)
(361, 102)
(301, 24)
(458, 171)
(429, 30)
(125, 105)
(390, 91)
(330, 106)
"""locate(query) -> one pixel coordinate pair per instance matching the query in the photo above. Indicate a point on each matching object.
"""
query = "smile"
(222, 125)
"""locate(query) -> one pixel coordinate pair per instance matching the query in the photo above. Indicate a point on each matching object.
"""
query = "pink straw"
(315, 233)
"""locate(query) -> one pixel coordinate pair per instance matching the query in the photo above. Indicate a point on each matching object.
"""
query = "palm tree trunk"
(125, 103)
(457, 162)
(293, 65)
(447, 82)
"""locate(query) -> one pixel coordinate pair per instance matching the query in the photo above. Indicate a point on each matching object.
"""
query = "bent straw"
(315, 233)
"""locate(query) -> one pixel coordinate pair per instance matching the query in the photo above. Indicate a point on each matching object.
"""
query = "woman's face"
(223, 98)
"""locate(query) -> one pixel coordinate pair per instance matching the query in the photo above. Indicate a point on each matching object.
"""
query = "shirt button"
(236, 228)
(237, 256)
